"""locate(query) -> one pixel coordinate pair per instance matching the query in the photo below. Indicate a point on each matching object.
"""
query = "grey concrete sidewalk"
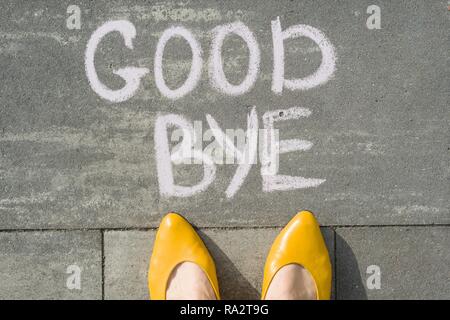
(413, 262)
(81, 186)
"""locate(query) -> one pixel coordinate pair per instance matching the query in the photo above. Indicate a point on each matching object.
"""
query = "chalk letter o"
(216, 74)
(196, 66)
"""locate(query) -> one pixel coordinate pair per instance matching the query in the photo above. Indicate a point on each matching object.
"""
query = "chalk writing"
(270, 147)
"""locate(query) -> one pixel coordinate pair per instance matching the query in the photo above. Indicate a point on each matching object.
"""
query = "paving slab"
(239, 255)
(413, 262)
(379, 127)
(39, 265)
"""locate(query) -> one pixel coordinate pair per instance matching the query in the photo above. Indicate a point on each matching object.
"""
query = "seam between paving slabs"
(103, 263)
(335, 263)
(334, 227)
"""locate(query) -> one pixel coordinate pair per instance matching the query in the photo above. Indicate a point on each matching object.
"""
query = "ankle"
(292, 282)
(189, 282)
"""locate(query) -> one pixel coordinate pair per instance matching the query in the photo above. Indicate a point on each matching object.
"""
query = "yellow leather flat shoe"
(177, 242)
(301, 243)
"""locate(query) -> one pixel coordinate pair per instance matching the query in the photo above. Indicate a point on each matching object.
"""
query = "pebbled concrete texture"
(34, 265)
(379, 127)
(78, 178)
(414, 262)
(239, 255)
(127, 257)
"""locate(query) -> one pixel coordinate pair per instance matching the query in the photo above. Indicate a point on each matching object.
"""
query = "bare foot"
(292, 282)
(189, 282)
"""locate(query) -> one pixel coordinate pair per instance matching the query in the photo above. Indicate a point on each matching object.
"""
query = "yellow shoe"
(177, 242)
(301, 242)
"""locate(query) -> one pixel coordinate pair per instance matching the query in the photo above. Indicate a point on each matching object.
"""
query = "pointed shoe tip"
(172, 219)
(306, 217)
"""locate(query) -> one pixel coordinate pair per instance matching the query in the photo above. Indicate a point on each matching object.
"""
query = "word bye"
(270, 148)
(133, 75)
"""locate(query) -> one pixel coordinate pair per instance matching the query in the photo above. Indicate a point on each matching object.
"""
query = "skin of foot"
(189, 282)
(292, 282)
